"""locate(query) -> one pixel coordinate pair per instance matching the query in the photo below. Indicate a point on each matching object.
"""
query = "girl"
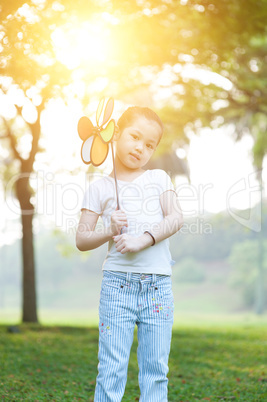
(136, 286)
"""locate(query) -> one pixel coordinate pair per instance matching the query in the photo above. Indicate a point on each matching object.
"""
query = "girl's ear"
(116, 133)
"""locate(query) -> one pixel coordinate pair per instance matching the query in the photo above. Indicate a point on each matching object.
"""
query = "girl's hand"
(118, 221)
(127, 243)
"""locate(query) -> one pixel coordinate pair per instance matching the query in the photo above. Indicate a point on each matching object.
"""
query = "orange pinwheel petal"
(86, 150)
(99, 151)
(108, 110)
(85, 128)
(107, 133)
(99, 110)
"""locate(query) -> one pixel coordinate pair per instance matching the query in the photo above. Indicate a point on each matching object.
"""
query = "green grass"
(88, 318)
(223, 362)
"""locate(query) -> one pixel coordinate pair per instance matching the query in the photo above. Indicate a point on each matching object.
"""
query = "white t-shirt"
(140, 200)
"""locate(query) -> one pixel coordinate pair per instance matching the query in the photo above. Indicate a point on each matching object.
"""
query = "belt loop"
(128, 277)
(154, 278)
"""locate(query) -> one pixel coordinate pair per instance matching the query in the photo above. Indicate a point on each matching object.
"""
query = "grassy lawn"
(46, 363)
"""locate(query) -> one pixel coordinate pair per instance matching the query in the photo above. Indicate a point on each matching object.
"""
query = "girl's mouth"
(134, 157)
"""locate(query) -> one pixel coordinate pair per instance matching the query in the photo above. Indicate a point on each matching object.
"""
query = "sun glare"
(83, 45)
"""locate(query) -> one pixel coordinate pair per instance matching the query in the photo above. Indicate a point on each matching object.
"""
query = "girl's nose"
(139, 147)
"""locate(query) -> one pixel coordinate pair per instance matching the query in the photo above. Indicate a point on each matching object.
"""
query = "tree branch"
(36, 132)
(13, 141)
(35, 129)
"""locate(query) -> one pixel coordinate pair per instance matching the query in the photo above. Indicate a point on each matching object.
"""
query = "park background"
(201, 65)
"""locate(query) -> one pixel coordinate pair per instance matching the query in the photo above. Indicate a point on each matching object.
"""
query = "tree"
(153, 46)
(243, 260)
(188, 270)
(30, 76)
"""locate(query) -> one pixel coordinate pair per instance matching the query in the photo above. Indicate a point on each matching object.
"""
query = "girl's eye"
(136, 137)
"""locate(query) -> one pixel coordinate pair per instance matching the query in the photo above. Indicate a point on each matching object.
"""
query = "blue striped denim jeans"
(127, 299)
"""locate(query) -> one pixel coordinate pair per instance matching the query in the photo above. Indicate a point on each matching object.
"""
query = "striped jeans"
(127, 299)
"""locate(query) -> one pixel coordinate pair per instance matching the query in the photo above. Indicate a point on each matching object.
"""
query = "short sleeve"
(165, 181)
(92, 200)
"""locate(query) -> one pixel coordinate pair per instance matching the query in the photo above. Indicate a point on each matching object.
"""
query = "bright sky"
(222, 174)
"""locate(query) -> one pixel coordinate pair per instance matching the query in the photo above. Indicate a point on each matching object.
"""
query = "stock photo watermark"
(62, 201)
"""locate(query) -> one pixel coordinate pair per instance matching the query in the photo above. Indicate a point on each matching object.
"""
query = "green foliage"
(147, 38)
(244, 262)
(65, 247)
(60, 363)
(188, 270)
(260, 139)
(215, 243)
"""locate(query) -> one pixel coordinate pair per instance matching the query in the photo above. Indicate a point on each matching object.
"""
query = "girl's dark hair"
(134, 111)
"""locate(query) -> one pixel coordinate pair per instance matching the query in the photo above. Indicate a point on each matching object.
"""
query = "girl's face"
(137, 142)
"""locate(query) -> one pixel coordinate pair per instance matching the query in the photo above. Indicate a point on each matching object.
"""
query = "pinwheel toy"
(96, 140)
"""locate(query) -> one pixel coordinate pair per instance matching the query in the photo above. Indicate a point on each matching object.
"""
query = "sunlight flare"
(82, 45)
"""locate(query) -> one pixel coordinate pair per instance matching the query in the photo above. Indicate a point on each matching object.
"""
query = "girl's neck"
(122, 172)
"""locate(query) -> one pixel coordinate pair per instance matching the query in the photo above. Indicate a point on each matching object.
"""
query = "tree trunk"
(29, 313)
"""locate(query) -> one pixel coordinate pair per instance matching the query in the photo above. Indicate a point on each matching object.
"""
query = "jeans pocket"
(112, 298)
(162, 301)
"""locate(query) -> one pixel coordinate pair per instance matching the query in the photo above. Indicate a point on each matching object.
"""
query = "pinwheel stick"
(116, 185)
(115, 177)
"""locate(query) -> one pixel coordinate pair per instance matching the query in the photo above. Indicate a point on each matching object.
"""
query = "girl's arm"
(173, 217)
(86, 236)
(172, 222)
